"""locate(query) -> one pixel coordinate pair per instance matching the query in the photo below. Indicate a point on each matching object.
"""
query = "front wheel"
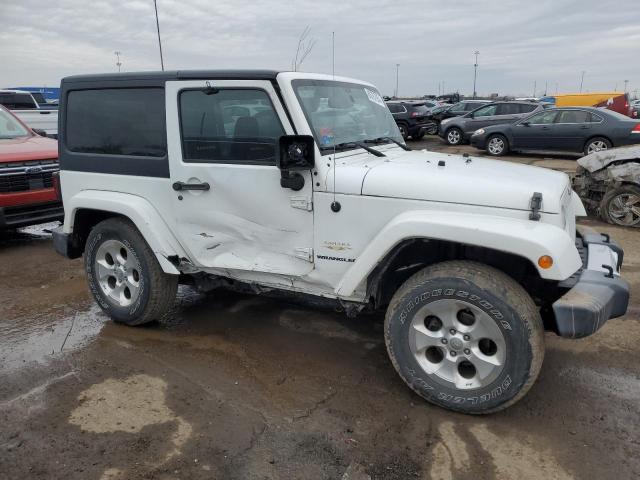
(454, 136)
(497, 145)
(465, 336)
(124, 275)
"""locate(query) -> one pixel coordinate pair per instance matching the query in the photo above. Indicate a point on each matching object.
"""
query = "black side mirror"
(525, 124)
(39, 131)
(295, 152)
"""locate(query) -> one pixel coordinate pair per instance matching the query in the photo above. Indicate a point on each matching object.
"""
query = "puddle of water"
(37, 339)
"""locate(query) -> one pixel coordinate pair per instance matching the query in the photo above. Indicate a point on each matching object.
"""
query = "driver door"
(229, 210)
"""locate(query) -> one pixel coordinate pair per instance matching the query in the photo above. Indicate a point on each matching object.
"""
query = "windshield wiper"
(343, 145)
(381, 139)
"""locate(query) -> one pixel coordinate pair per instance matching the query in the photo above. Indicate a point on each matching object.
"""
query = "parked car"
(467, 255)
(25, 107)
(28, 162)
(411, 117)
(458, 130)
(569, 130)
(441, 112)
(609, 185)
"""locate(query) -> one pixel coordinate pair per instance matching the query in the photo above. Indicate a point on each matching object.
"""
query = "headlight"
(446, 120)
(480, 131)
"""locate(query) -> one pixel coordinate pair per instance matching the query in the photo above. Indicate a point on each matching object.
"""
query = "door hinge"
(302, 202)
(305, 253)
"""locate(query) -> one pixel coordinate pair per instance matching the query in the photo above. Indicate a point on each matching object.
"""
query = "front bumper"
(597, 292)
(478, 141)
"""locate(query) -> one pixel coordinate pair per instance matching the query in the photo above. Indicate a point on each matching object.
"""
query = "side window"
(470, 106)
(393, 108)
(508, 109)
(527, 108)
(117, 121)
(542, 118)
(573, 116)
(594, 118)
(16, 101)
(458, 108)
(486, 111)
(231, 126)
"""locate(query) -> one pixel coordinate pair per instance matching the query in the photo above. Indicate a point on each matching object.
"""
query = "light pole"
(475, 72)
(397, 69)
(582, 80)
(535, 82)
(626, 83)
(118, 62)
(155, 5)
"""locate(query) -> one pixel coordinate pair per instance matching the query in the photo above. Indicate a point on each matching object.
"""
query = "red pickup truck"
(28, 162)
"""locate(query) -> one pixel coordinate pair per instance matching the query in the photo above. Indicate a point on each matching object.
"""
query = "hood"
(599, 160)
(418, 175)
(28, 148)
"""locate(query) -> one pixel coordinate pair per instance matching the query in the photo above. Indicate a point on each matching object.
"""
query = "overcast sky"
(520, 41)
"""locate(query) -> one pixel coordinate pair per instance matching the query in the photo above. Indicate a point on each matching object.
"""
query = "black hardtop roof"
(156, 78)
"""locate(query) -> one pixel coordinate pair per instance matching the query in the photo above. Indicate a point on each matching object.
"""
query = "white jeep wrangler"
(302, 182)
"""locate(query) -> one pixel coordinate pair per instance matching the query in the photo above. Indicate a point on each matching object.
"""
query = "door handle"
(180, 186)
(583, 127)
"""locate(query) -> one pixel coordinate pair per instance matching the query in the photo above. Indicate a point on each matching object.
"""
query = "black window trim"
(224, 162)
(135, 165)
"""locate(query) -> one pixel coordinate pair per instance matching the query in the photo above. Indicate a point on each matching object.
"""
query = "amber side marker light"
(545, 261)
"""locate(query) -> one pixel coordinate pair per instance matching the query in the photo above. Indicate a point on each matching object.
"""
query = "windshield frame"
(346, 145)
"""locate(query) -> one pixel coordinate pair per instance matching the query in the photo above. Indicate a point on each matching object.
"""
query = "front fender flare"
(524, 238)
(143, 215)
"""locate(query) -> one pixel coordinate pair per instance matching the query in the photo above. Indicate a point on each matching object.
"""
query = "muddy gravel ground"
(245, 387)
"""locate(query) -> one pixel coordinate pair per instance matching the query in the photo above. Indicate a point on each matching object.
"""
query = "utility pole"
(546, 85)
(535, 82)
(118, 62)
(582, 80)
(626, 83)
(475, 72)
(397, 74)
(155, 5)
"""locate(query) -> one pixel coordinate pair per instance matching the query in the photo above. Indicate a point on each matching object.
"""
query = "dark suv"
(411, 117)
(457, 130)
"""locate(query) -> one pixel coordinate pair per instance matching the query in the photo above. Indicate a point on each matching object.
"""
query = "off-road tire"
(157, 289)
(606, 206)
(448, 138)
(505, 302)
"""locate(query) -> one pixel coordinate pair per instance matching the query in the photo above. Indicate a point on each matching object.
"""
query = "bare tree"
(305, 45)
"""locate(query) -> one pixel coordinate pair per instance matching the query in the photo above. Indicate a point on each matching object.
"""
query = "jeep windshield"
(10, 127)
(342, 114)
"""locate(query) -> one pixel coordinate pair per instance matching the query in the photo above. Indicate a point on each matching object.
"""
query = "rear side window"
(394, 108)
(16, 101)
(117, 121)
(527, 108)
(508, 109)
(573, 116)
(231, 126)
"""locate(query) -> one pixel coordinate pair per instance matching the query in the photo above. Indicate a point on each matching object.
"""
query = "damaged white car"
(609, 184)
(301, 183)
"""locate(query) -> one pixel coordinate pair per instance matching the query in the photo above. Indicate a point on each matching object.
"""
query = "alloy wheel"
(119, 272)
(624, 209)
(458, 344)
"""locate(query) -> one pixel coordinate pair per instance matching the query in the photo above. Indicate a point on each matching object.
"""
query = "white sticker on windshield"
(374, 97)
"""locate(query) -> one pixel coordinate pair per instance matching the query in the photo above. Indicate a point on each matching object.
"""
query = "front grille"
(28, 175)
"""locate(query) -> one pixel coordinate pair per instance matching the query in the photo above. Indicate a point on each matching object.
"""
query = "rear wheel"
(497, 145)
(124, 275)
(403, 131)
(621, 206)
(596, 145)
(465, 336)
(454, 136)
